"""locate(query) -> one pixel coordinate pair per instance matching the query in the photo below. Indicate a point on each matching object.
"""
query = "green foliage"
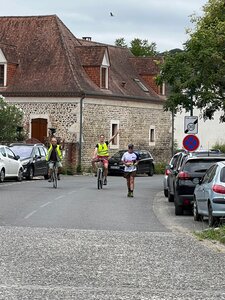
(196, 76)
(120, 42)
(138, 47)
(10, 121)
(219, 146)
(160, 168)
(142, 47)
(216, 234)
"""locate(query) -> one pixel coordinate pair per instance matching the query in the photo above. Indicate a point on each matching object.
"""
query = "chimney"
(86, 38)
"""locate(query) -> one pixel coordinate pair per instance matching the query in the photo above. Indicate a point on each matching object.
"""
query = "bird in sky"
(111, 14)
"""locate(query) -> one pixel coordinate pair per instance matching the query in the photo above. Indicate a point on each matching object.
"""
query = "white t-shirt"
(129, 157)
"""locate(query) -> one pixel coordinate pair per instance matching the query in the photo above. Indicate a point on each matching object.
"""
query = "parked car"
(10, 164)
(168, 170)
(33, 159)
(209, 195)
(145, 165)
(175, 164)
(187, 175)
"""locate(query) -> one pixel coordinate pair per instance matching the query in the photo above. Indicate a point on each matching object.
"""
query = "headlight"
(25, 162)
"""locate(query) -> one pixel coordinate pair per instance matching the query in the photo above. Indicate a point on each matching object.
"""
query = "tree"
(10, 120)
(120, 42)
(142, 47)
(196, 76)
(138, 47)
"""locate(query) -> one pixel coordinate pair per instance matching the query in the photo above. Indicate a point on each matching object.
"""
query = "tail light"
(220, 189)
(184, 175)
(167, 172)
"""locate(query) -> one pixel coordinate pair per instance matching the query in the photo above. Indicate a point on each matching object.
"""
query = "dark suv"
(184, 176)
(145, 164)
(33, 159)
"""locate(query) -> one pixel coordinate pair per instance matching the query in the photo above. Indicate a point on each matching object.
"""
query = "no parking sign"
(191, 142)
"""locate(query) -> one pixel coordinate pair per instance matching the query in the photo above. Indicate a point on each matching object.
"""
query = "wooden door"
(39, 129)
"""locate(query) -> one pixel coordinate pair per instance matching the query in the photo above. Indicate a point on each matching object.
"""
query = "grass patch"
(214, 234)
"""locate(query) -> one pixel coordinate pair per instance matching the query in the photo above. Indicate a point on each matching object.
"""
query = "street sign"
(191, 142)
(190, 125)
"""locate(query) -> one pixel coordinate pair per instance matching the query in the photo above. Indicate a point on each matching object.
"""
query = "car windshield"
(200, 165)
(118, 155)
(23, 152)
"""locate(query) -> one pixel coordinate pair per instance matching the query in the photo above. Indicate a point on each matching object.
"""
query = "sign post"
(191, 142)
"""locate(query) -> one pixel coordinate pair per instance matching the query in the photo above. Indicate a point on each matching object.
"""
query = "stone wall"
(134, 118)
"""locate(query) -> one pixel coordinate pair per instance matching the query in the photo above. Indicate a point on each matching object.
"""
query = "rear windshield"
(200, 165)
(222, 175)
(23, 152)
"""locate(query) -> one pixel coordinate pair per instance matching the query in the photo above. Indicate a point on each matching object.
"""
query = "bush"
(160, 168)
(219, 146)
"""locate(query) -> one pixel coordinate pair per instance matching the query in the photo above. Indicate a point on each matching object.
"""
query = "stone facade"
(134, 120)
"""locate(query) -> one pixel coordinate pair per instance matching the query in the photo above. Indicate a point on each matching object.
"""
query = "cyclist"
(54, 154)
(101, 152)
(130, 160)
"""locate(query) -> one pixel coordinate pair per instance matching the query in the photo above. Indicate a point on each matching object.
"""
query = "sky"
(163, 22)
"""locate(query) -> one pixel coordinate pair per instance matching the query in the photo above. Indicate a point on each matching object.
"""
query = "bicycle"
(100, 172)
(54, 175)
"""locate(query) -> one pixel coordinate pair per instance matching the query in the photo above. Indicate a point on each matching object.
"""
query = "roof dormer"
(95, 61)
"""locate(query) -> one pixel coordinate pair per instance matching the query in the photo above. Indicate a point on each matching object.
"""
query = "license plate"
(114, 167)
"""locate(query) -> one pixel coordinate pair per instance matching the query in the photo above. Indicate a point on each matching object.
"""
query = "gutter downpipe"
(81, 130)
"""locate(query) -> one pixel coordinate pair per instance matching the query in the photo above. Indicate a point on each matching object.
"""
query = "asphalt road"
(80, 243)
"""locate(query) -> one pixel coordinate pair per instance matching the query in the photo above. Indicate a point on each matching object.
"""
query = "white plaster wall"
(210, 132)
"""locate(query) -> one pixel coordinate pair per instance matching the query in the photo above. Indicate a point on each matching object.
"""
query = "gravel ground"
(38, 263)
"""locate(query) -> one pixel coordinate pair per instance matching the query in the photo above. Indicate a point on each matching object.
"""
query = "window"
(104, 77)
(141, 85)
(2, 75)
(152, 135)
(162, 89)
(113, 130)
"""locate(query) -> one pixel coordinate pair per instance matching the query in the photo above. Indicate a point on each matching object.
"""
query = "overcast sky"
(160, 21)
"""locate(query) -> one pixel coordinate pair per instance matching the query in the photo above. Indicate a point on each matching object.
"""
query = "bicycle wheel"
(54, 178)
(99, 179)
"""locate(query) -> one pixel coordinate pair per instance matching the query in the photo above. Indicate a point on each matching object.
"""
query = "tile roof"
(51, 61)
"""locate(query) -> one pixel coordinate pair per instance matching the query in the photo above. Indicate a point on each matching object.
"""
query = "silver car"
(10, 164)
(209, 195)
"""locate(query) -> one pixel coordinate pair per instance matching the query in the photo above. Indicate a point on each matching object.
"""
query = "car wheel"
(212, 220)
(20, 175)
(170, 197)
(2, 175)
(166, 193)
(197, 216)
(30, 173)
(151, 171)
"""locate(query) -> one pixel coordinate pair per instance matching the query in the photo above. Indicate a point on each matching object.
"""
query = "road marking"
(71, 192)
(59, 197)
(45, 204)
(29, 215)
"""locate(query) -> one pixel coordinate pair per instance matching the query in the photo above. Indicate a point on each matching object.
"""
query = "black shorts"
(129, 174)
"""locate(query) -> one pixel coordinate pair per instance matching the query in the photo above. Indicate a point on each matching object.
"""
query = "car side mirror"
(17, 157)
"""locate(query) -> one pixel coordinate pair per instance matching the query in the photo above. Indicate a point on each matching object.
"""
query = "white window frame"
(114, 123)
(152, 140)
(163, 89)
(3, 62)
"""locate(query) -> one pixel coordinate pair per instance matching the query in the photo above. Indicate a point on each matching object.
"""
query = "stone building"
(81, 88)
